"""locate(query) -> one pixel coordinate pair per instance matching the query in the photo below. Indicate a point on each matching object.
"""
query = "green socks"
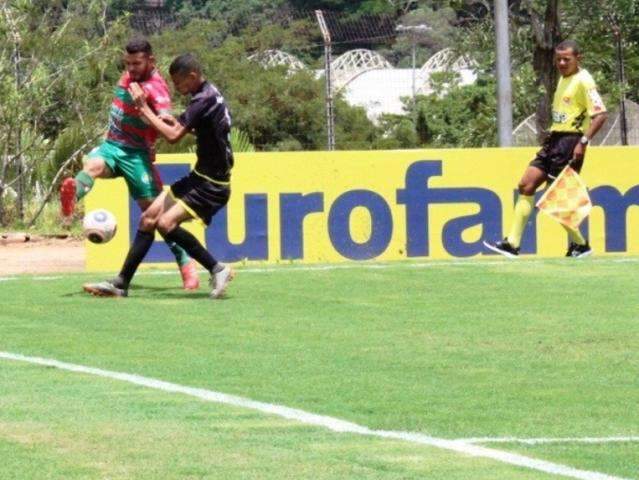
(180, 254)
(181, 257)
(83, 184)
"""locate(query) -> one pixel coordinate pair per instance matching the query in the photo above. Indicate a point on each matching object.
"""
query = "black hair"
(139, 45)
(569, 45)
(185, 64)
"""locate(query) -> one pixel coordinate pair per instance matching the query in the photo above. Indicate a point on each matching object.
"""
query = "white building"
(368, 80)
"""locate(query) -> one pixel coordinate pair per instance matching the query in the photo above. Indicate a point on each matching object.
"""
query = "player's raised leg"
(74, 189)
(531, 180)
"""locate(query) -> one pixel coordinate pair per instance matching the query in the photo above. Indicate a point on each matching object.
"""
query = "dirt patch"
(20, 254)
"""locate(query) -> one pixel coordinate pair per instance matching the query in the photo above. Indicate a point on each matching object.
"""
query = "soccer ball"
(99, 226)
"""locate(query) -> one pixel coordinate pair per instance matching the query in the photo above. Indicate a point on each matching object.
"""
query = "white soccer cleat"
(105, 289)
(220, 281)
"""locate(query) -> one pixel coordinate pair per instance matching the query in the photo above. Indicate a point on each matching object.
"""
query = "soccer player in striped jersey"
(200, 194)
(577, 115)
(128, 150)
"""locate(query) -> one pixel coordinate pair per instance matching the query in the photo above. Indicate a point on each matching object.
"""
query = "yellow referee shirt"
(576, 101)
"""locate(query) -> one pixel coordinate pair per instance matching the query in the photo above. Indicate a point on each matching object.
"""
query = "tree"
(42, 113)
(278, 109)
(440, 22)
(546, 33)
(462, 117)
(536, 27)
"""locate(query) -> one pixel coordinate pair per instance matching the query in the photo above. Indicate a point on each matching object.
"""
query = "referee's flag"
(567, 199)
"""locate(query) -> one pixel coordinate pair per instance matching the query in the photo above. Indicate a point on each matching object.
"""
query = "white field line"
(285, 268)
(538, 441)
(331, 423)
(35, 279)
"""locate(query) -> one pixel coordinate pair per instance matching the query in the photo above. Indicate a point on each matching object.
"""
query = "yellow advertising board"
(317, 207)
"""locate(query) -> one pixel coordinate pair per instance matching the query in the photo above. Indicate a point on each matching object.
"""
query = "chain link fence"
(378, 81)
(370, 62)
(622, 125)
(382, 66)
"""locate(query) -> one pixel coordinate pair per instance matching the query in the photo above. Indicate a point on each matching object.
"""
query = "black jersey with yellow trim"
(208, 116)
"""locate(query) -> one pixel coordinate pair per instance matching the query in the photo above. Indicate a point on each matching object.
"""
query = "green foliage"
(232, 15)
(465, 116)
(353, 129)
(439, 20)
(594, 32)
(240, 141)
(597, 38)
(66, 145)
(48, 220)
(52, 73)
(398, 132)
(60, 61)
(276, 108)
(453, 116)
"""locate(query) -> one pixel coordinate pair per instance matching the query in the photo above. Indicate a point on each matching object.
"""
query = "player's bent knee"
(96, 168)
(147, 223)
(526, 189)
(165, 225)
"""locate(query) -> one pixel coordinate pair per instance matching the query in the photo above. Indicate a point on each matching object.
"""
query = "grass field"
(494, 351)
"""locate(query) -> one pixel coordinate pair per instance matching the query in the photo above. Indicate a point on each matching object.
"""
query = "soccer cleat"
(190, 278)
(67, 197)
(220, 281)
(578, 251)
(503, 247)
(105, 289)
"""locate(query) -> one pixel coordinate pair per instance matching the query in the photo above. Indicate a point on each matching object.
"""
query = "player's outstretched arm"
(172, 131)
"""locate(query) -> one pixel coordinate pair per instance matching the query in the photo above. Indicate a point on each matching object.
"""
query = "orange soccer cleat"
(67, 197)
(190, 278)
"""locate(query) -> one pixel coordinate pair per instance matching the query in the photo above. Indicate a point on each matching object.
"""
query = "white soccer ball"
(99, 226)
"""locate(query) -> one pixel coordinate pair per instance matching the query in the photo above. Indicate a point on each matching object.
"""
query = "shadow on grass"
(144, 292)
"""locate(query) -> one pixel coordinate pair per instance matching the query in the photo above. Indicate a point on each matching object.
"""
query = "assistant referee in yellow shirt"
(577, 115)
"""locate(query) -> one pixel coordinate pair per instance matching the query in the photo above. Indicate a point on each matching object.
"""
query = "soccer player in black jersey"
(199, 195)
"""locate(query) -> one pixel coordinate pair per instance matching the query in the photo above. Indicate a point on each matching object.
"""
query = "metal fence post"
(504, 91)
(328, 59)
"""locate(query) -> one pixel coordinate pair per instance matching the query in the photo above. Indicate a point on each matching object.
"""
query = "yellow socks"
(523, 209)
(575, 236)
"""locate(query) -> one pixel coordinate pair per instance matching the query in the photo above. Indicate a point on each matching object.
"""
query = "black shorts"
(200, 196)
(556, 153)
